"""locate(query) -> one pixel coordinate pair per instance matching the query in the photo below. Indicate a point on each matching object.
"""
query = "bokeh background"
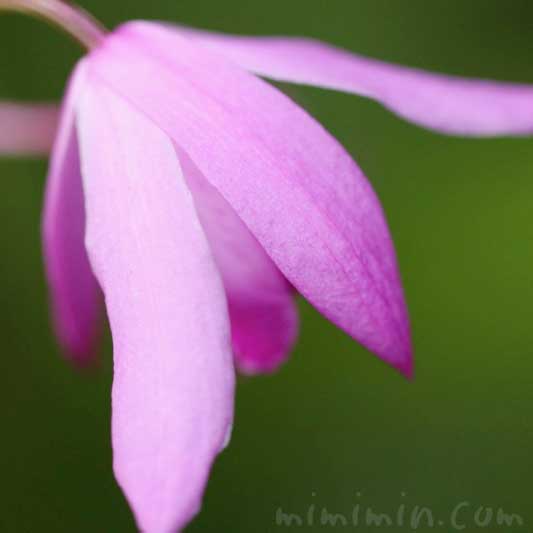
(335, 427)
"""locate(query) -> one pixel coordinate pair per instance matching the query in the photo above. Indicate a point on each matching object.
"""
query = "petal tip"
(251, 368)
(405, 364)
(78, 347)
(407, 369)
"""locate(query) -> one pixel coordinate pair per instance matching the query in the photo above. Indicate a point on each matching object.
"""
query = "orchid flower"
(199, 199)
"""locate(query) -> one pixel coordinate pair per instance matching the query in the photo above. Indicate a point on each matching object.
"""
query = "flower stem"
(70, 18)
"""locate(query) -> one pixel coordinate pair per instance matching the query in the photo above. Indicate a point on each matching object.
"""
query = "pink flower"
(199, 198)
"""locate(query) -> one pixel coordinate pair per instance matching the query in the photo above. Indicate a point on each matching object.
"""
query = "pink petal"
(264, 330)
(292, 184)
(443, 103)
(173, 385)
(27, 129)
(264, 320)
(74, 291)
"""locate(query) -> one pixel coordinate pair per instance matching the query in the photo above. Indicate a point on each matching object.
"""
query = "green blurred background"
(335, 427)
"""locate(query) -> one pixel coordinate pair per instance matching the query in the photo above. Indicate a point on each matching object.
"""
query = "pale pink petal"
(27, 129)
(264, 320)
(443, 103)
(74, 291)
(292, 184)
(173, 382)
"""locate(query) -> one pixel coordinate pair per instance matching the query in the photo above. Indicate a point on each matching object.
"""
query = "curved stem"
(74, 20)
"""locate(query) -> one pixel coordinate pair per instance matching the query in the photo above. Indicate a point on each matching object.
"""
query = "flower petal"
(443, 103)
(292, 184)
(264, 319)
(74, 291)
(27, 129)
(173, 384)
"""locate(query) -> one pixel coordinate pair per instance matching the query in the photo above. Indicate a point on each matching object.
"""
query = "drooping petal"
(27, 129)
(292, 184)
(443, 103)
(173, 381)
(74, 291)
(263, 315)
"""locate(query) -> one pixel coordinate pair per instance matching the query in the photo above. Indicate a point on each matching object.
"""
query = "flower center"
(70, 18)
